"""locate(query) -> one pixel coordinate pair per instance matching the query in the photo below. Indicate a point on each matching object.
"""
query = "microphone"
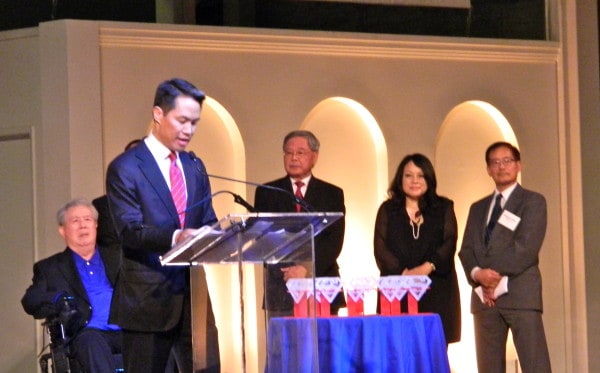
(239, 200)
(299, 201)
(236, 198)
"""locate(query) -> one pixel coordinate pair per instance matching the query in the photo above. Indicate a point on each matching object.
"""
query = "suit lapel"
(484, 220)
(287, 185)
(480, 213)
(515, 200)
(111, 260)
(156, 180)
(312, 190)
(67, 268)
(286, 201)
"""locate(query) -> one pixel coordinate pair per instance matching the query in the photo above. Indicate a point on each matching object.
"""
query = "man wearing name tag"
(502, 240)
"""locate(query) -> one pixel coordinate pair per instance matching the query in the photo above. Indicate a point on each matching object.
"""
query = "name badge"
(509, 220)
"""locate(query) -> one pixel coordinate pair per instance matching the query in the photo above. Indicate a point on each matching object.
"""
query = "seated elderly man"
(75, 286)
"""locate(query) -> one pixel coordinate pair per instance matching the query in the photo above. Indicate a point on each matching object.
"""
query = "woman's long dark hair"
(431, 198)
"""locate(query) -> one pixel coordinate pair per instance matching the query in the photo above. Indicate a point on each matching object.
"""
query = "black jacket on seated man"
(59, 290)
(56, 278)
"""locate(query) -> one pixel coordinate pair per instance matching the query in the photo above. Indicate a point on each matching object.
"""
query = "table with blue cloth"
(403, 343)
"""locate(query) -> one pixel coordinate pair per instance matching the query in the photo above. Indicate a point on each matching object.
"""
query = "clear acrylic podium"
(253, 238)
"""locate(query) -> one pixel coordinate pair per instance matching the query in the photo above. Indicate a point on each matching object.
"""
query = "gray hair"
(60, 214)
(313, 142)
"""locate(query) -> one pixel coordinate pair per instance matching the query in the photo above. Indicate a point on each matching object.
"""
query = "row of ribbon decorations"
(391, 289)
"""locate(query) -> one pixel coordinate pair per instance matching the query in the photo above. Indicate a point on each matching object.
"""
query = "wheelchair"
(60, 358)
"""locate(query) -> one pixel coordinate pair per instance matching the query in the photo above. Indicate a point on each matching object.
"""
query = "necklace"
(418, 221)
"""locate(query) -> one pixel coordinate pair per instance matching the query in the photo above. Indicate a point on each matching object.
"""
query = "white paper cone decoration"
(396, 287)
(418, 285)
(299, 287)
(329, 287)
(389, 286)
(357, 286)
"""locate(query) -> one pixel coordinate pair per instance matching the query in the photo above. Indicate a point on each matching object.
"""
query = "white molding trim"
(325, 43)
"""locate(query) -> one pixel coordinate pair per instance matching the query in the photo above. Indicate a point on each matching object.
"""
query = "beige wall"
(20, 113)
(587, 81)
(96, 82)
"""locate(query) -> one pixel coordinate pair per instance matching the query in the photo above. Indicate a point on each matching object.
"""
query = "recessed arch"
(353, 155)
(218, 142)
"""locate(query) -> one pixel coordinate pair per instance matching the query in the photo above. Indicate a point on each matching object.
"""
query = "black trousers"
(94, 349)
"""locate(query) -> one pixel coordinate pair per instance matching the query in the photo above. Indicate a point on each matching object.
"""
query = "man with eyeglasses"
(300, 154)
(499, 253)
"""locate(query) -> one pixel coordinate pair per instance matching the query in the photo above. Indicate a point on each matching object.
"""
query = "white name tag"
(509, 220)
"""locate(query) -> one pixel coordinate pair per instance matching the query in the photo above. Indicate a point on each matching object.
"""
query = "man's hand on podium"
(183, 234)
(295, 271)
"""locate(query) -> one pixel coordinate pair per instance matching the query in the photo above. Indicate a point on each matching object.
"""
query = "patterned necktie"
(177, 188)
(496, 211)
(298, 194)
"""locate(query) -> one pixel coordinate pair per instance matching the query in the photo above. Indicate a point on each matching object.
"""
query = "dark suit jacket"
(322, 197)
(107, 235)
(149, 297)
(58, 274)
(513, 253)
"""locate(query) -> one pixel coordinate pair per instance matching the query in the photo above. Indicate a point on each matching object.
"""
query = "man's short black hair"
(502, 144)
(169, 90)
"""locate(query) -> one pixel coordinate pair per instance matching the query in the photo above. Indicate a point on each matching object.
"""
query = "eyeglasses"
(299, 153)
(504, 162)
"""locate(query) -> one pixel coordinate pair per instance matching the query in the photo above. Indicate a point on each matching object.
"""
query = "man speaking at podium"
(300, 154)
(158, 194)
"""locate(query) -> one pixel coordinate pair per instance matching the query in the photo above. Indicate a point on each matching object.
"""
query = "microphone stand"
(236, 198)
(299, 201)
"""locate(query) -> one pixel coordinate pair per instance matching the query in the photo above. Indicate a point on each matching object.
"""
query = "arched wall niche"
(466, 132)
(353, 155)
(218, 142)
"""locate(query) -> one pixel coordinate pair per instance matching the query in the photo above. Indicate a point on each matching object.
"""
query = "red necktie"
(177, 188)
(299, 185)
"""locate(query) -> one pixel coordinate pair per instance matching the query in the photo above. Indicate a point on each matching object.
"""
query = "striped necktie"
(299, 185)
(177, 188)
